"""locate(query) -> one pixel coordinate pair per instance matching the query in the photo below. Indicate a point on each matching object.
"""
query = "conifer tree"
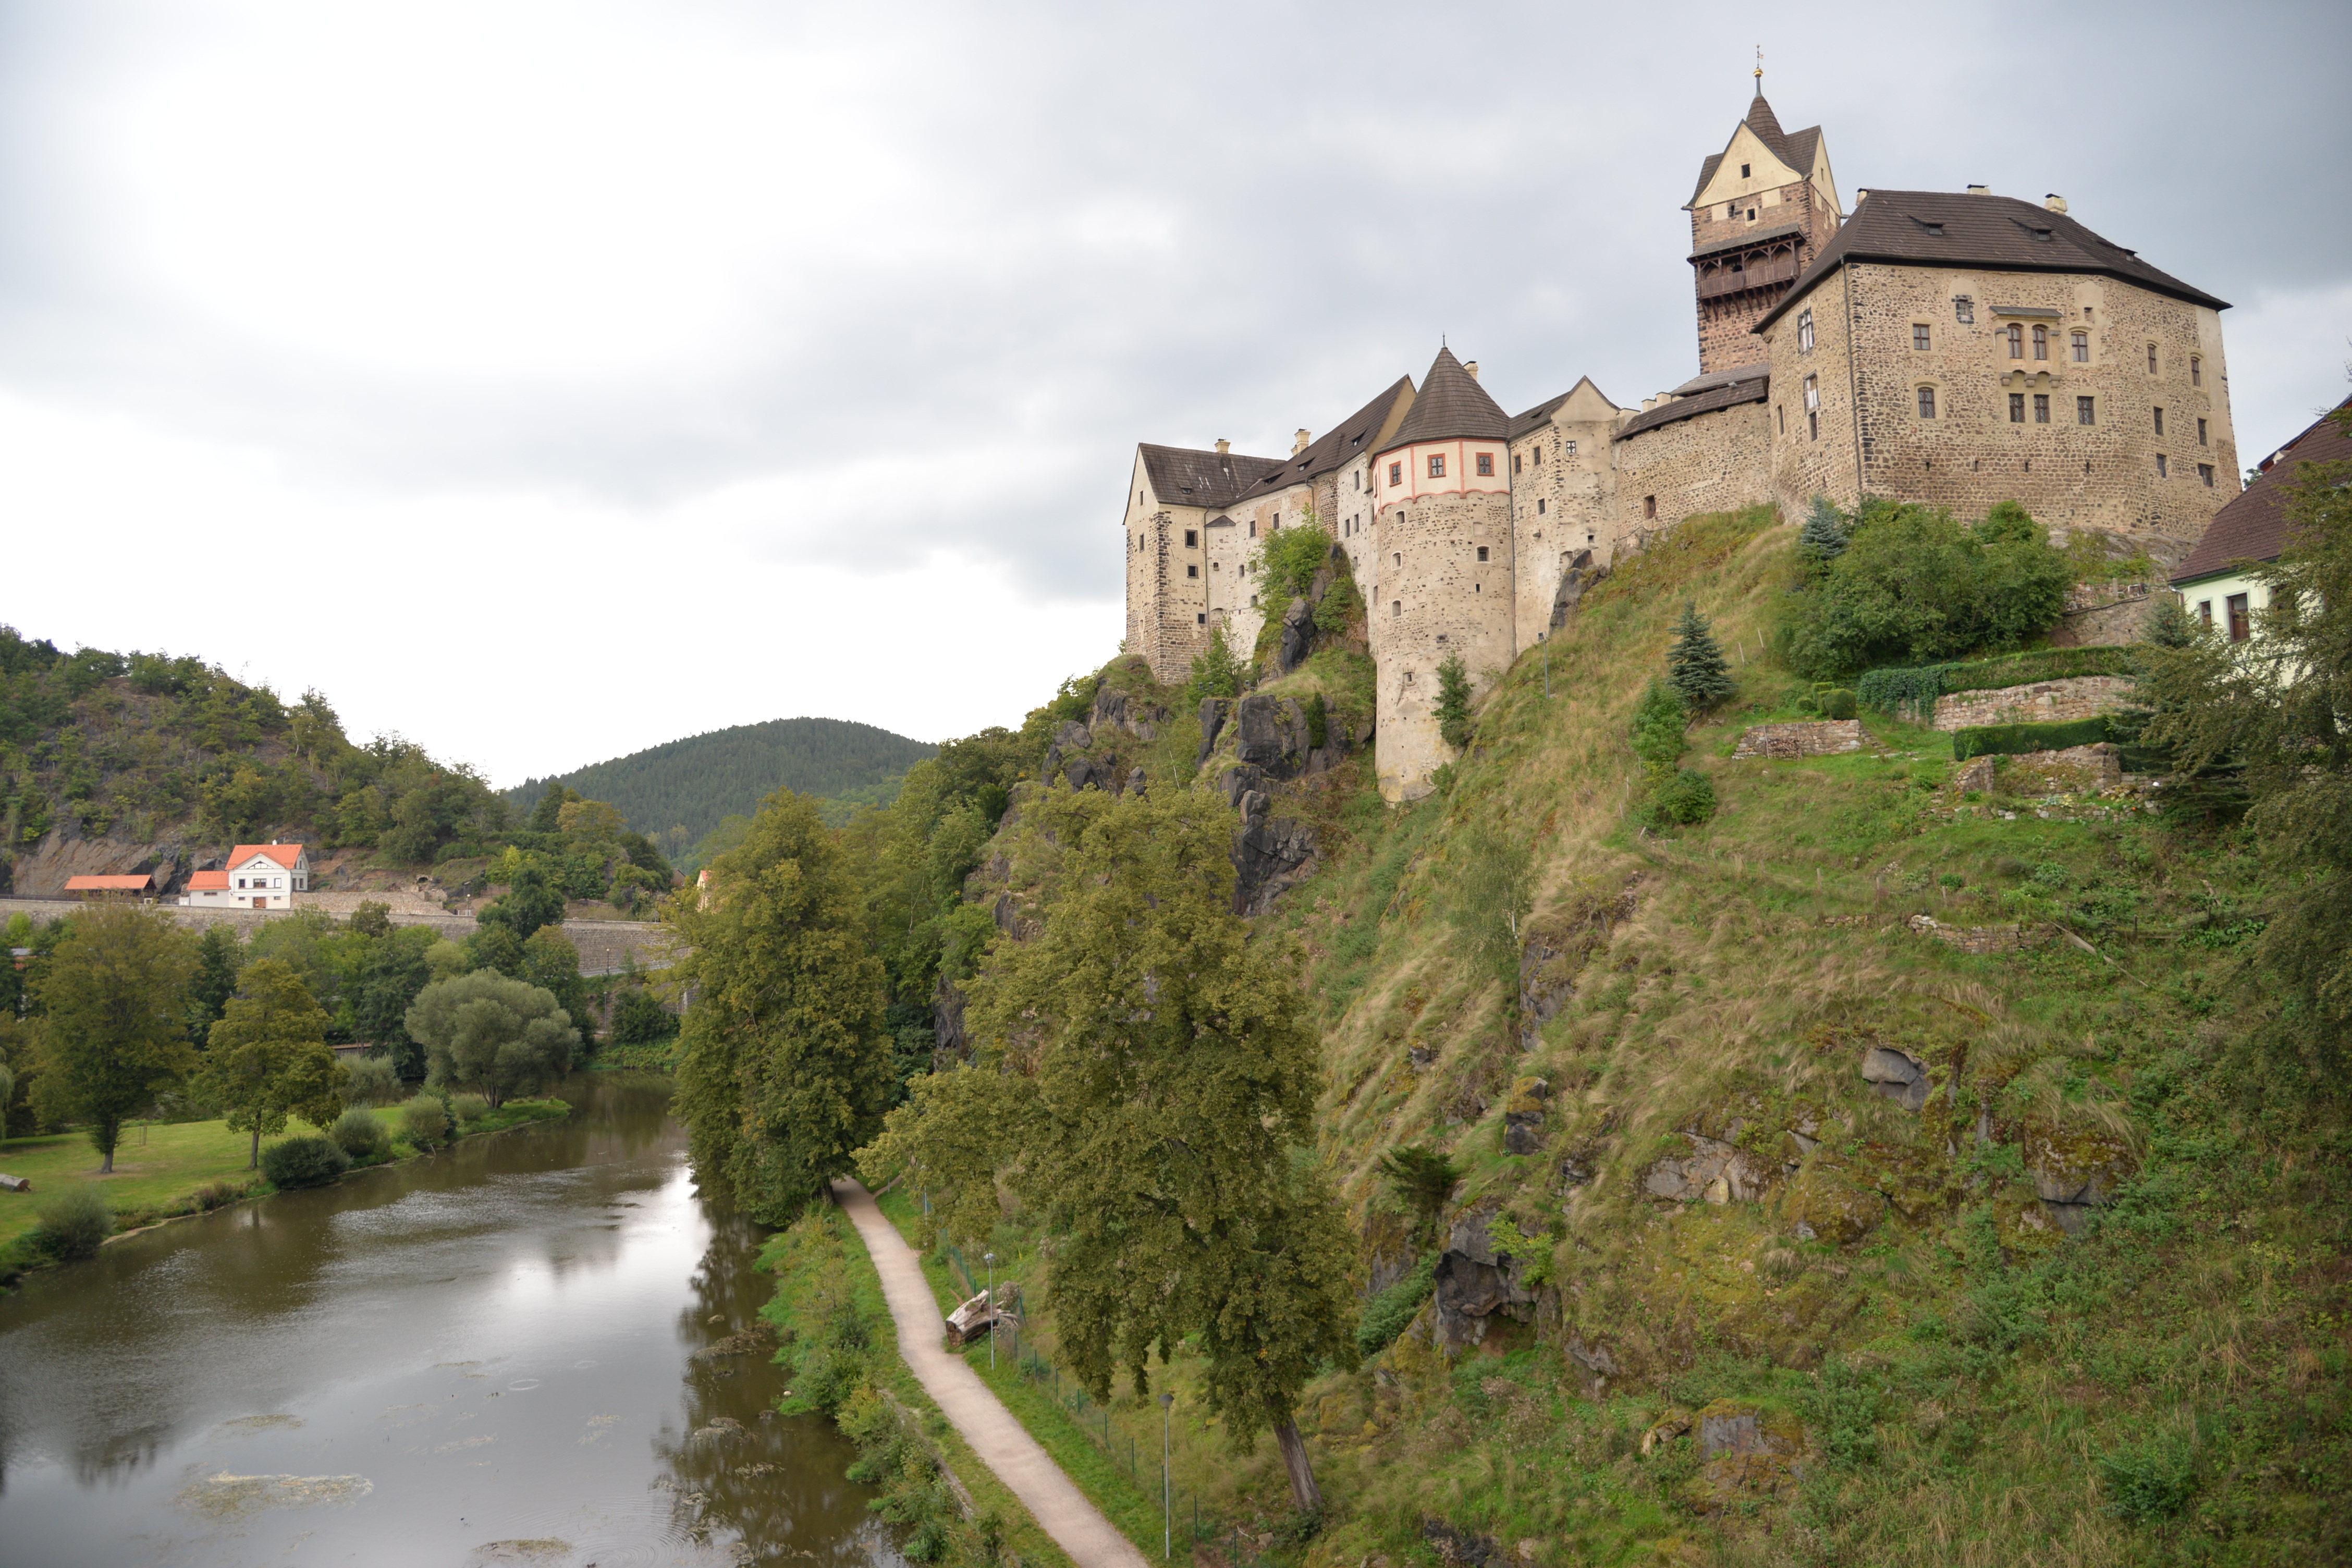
(1144, 1075)
(1824, 535)
(1696, 667)
(1453, 724)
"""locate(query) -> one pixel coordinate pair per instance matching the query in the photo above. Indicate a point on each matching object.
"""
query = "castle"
(1954, 349)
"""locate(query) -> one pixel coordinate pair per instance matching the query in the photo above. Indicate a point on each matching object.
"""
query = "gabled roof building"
(1956, 348)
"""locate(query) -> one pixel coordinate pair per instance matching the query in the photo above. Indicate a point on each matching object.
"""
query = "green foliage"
(2013, 739)
(1660, 721)
(1217, 671)
(1493, 890)
(696, 782)
(639, 1018)
(551, 963)
(1454, 725)
(1422, 1179)
(484, 1031)
(2171, 625)
(2035, 664)
(312, 1161)
(1319, 721)
(1285, 563)
(1391, 1312)
(1143, 1072)
(1695, 665)
(268, 1059)
(2150, 1479)
(361, 1135)
(392, 975)
(467, 1109)
(426, 1120)
(114, 995)
(1915, 585)
(530, 902)
(1341, 604)
(219, 955)
(73, 1226)
(1685, 800)
(374, 1080)
(1822, 539)
(785, 1063)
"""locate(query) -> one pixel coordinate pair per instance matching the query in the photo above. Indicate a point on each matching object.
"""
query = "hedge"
(2013, 739)
(1915, 686)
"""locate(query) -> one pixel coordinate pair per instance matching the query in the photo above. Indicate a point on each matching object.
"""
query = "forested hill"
(695, 782)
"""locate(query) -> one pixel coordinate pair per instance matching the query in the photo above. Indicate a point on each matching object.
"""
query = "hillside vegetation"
(680, 792)
(1745, 1160)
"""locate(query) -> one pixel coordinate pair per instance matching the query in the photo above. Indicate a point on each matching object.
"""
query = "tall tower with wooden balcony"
(1764, 207)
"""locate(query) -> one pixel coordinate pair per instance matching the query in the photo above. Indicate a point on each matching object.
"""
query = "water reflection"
(533, 1346)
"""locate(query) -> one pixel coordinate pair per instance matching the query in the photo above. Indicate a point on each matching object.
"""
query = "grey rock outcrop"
(1271, 732)
(1899, 1076)
(1475, 1282)
(2070, 1199)
(1213, 723)
(1271, 855)
(1719, 1172)
(1298, 634)
(948, 1037)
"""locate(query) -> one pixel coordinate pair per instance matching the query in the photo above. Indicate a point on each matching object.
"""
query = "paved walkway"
(1002, 1443)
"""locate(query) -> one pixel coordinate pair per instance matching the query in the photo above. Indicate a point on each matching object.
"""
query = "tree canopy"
(487, 1032)
(115, 996)
(784, 1064)
(267, 1057)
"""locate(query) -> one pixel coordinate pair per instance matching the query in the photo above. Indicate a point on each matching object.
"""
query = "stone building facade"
(1958, 349)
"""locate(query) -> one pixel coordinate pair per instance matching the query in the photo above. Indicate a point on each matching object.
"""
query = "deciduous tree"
(115, 992)
(484, 1031)
(267, 1057)
(1145, 1079)
(784, 1067)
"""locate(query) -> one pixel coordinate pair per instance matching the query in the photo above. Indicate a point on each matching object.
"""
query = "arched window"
(1926, 402)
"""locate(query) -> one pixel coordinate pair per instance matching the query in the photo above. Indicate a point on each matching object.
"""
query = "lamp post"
(1167, 1492)
(990, 1258)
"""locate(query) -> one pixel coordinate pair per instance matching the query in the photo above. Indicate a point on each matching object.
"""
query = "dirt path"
(1063, 1511)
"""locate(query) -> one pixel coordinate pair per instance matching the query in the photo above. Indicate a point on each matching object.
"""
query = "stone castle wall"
(1430, 599)
(1716, 461)
(2044, 702)
(1561, 506)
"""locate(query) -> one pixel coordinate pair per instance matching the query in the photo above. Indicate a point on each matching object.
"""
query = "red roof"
(138, 884)
(284, 854)
(2253, 527)
(208, 881)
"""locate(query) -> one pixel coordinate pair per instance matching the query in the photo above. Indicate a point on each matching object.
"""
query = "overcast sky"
(545, 381)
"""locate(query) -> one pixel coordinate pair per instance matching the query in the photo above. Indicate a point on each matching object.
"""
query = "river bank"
(174, 1170)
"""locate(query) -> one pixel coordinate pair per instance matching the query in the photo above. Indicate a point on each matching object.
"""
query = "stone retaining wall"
(605, 946)
(2042, 702)
(1810, 738)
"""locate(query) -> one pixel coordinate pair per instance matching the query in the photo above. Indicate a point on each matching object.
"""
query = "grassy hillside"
(2079, 1297)
(679, 792)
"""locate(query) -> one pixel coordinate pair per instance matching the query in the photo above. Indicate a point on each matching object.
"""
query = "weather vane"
(1759, 62)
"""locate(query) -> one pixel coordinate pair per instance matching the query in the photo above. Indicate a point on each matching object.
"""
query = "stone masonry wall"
(1716, 461)
(1727, 338)
(1431, 598)
(2044, 702)
(1561, 506)
(1971, 455)
(1819, 455)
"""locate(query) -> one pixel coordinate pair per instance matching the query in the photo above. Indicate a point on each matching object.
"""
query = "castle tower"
(1764, 207)
(1440, 585)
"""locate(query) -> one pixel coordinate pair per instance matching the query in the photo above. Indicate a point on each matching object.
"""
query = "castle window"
(1814, 426)
(1253, 601)
(1964, 309)
(1200, 619)
(1396, 608)
(1398, 557)
(2205, 472)
(1485, 465)
(1743, 171)
(2040, 342)
(2085, 411)
(2017, 408)
(2016, 336)
(1649, 506)
(1515, 462)
(2201, 433)
(1396, 474)
(1482, 553)
(2151, 359)
(2160, 421)
(1252, 528)
(2081, 341)
(1437, 465)
(2196, 371)
(1751, 214)
(2162, 470)
(2240, 622)
(1538, 454)
(1812, 393)
(1781, 414)
(1539, 506)
(1477, 587)
(1919, 334)
(1192, 571)
(1567, 448)
(1191, 540)
(1926, 402)
(2042, 408)
(1805, 331)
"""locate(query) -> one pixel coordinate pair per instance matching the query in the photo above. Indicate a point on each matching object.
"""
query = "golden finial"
(1759, 67)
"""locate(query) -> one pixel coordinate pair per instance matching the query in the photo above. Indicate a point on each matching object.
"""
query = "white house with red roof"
(259, 877)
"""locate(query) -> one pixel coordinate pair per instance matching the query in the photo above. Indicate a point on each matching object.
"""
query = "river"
(516, 1351)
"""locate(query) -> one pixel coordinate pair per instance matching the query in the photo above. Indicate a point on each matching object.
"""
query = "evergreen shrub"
(1685, 800)
(2014, 739)
(1391, 1312)
(358, 1134)
(1837, 702)
(72, 1226)
(310, 1162)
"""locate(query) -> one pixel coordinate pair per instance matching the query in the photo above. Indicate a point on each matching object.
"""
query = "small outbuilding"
(142, 886)
(2217, 581)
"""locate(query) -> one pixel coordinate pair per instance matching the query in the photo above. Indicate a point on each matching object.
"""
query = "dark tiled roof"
(1452, 406)
(1755, 236)
(1182, 476)
(1349, 438)
(1767, 125)
(1731, 377)
(1978, 231)
(1541, 415)
(1800, 147)
(1795, 149)
(1731, 396)
(2253, 526)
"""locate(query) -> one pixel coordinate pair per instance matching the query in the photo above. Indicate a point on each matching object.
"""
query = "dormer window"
(2044, 236)
(1935, 228)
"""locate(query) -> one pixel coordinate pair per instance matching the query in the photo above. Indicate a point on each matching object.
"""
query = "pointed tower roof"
(1767, 126)
(1452, 407)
